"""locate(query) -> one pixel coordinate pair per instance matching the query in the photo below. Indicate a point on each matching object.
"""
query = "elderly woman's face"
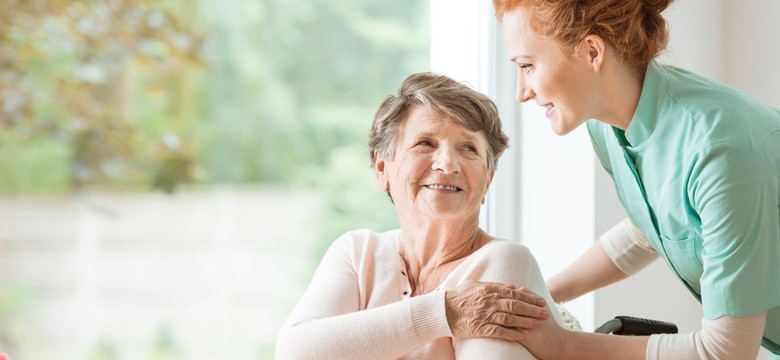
(439, 168)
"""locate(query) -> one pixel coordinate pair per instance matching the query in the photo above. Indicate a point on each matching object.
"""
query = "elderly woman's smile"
(443, 187)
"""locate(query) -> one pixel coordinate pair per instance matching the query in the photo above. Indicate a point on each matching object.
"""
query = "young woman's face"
(562, 83)
(439, 168)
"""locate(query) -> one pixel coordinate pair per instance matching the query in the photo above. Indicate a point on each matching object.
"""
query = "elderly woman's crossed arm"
(482, 319)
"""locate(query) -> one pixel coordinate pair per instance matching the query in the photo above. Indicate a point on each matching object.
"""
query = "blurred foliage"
(291, 80)
(15, 333)
(134, 93)
(67, 105)
(103, 350)
(354, 199)
(131, 94)
(123, 94)
(164, 347)
(293, 90)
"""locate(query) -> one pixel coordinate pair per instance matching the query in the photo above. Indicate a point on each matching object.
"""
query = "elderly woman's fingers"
(523, 308)
(527, 296)
(479, 309)
(509, 320)
(499, 332)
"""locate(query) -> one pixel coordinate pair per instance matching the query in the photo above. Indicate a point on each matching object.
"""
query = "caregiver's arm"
(620, 252)
(726, 338)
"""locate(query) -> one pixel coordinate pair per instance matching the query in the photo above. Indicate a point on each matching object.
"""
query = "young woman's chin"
(562, 126)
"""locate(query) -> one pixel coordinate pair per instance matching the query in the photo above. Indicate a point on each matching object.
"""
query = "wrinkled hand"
(480, 309)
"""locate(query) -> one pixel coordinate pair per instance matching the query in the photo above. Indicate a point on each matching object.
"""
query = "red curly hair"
(635, 28)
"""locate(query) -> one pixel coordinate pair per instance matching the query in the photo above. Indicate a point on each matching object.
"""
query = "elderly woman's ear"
(381, 176)
(490, 181)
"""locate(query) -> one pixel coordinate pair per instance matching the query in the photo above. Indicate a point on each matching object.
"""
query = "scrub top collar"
(645, 118)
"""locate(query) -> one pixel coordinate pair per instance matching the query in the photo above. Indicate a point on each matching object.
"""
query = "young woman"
(696, 165)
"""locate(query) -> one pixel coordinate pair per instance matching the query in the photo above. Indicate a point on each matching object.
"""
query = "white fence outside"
(203, 274)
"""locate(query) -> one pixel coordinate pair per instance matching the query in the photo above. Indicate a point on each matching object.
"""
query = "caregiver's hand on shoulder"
(481, 309)
(548, 341)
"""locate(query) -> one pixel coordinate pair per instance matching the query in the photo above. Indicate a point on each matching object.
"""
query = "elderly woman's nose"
(446, 159)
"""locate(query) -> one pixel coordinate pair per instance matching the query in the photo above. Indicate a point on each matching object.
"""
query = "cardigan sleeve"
(327, 323)
(507, 263)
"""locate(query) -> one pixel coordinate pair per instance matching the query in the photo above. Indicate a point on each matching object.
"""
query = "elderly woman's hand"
(476, 309)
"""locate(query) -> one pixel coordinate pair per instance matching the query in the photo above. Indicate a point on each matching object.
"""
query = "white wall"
(752, 48)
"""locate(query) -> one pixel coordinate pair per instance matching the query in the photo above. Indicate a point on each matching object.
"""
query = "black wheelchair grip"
(638, 326)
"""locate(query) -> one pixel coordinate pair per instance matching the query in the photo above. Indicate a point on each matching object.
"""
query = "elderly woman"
(400, 294)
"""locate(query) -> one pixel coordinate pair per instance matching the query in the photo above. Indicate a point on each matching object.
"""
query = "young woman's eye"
(526, 67)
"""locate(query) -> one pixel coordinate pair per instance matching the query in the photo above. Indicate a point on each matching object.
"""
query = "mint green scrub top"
(698, 171)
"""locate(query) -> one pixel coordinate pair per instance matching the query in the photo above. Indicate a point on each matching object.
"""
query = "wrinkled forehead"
(424, 121)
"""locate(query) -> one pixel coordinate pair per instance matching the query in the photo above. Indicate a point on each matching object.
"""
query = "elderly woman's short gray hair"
(445, 97)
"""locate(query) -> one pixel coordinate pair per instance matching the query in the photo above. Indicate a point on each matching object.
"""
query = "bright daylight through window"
(173, 170)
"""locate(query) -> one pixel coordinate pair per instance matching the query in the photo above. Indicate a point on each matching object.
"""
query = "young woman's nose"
(446, 160)
(524, 92)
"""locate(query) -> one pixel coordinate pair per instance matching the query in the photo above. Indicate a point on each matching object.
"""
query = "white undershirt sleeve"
(725, 338)
(627, 247)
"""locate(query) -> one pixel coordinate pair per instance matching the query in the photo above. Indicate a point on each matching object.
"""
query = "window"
(173, 172)
(248, 119)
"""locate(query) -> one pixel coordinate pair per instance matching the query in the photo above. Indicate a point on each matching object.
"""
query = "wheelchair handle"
(629, 325)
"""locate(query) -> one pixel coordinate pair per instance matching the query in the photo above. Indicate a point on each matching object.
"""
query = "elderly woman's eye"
(471, 148)
(425, 143)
